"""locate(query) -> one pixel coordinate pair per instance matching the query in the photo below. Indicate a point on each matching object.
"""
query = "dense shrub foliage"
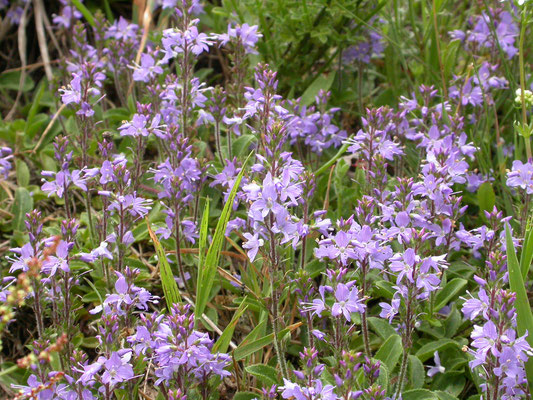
(265, 200)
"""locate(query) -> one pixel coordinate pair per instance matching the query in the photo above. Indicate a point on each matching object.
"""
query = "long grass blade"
(213, 254)
(170, 287)
(524, 317)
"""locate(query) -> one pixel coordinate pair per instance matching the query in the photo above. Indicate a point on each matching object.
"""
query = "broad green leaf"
(213, 254)
(321, 82)
(10, 80)
(524, 317)
(381, 327)
(384, 377)
(170, 287)
(390, 352)
(486, 197)
(245, 396)
(428, 350)
(23, 173)
(416, 371)
(450, 291)
(265, 373)
(22, 204)
(30, 119)
(419, 394)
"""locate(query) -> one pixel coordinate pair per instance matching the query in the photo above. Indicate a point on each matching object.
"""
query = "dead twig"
(21, 34)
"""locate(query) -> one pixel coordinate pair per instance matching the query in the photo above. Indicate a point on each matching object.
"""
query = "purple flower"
(51, 265)
(122, 30)
(521, 176)
(388, 311)
(252, 244)
(348, 301)
(438, 368)
(5, 161)
(72, 93)
(403, 264)
(117, 369)
(473, 307)
(245, 35)
(148, 69)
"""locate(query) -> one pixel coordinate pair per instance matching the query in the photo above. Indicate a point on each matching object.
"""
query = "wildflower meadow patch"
(266, 200)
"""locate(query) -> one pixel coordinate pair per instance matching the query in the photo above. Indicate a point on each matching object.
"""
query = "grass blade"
(223, 341)
(527, 253)
(209, 270)
(202, 241)
(85, 12)
(246, 349)
(170, 287)
(524, 317)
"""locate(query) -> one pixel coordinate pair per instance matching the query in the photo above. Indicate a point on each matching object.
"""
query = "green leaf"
(242, 144)
(10, 80)
(170, 287)
(23, 173)
(450, 291)
(22, 204)
(527, 253)
(428, 350)
(416, 371)
(442, 395)
(381, 327)
(248, 348)
(245, 396)
(486, 197)
(223, 341)
(524, 317)
(85, 12)
(419, 394)
(202, 241)
(390, 352)
(333, 160)
(321, 82)
(384, 377)
(213, 254)
(265, 373)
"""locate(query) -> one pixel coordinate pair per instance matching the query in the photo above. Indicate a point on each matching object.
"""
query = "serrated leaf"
(22, 204)
(450, 291)
(390, 352)
(170, 287)
(381, 327)
(417, 375)
(265, 373)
